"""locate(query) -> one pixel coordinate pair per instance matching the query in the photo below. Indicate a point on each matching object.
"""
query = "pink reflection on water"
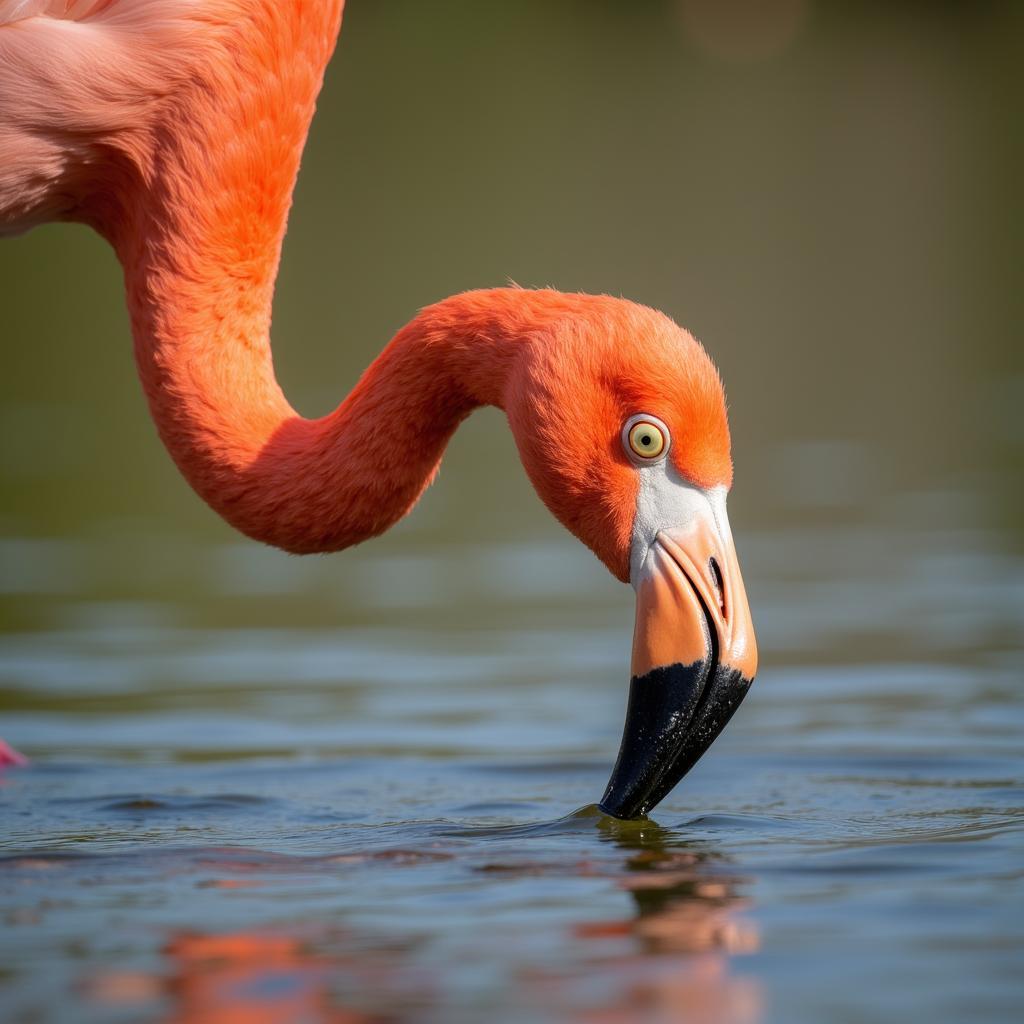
(674, 954)
(674, 961)
(237, 978)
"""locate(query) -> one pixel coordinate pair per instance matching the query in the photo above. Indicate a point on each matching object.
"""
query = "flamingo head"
(620, 419)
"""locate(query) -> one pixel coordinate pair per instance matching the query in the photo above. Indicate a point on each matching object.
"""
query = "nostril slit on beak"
(716, 578)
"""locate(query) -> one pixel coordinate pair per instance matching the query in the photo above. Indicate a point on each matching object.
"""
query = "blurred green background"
(828, 195)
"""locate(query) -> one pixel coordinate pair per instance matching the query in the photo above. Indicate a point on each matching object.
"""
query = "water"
(377, 822)
(360, 787)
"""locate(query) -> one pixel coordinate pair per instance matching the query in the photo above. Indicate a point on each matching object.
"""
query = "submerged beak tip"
(674, 715)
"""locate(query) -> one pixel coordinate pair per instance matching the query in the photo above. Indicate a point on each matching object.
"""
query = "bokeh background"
(828, 195)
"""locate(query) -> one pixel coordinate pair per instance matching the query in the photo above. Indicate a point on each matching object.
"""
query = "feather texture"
(176, 128)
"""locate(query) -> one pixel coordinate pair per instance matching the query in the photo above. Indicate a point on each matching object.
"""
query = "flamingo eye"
(645, 438)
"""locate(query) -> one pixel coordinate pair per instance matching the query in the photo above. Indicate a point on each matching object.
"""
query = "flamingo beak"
(694, 658)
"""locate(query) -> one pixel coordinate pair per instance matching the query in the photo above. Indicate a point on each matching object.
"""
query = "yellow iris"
(646, 440)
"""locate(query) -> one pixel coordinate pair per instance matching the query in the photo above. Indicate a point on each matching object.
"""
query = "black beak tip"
(623, 809)
(674, 714)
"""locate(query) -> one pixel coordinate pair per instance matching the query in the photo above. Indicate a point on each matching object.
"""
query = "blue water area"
(396, 821)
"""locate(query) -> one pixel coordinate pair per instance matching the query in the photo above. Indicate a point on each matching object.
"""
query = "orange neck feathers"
(200, 246)
(189, 171)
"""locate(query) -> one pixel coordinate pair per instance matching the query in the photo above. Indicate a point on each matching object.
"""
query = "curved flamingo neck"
(200, 248)
(309, 485)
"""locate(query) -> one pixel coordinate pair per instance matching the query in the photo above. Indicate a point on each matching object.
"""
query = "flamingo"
(175, 129)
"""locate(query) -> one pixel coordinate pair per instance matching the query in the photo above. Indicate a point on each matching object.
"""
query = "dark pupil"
(645, 440)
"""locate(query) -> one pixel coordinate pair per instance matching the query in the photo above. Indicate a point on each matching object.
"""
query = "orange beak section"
(691, 604)
(694, 658)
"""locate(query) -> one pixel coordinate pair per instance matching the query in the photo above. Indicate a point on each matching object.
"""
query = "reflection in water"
(267, 978)
(682, 909)
(237, 978)
(664, 956)
(671, 958)
(688, 924)
(258, 978)
(698, 991)
(686, 900)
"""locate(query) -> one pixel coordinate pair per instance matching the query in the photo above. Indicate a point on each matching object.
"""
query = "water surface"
(377, 822)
